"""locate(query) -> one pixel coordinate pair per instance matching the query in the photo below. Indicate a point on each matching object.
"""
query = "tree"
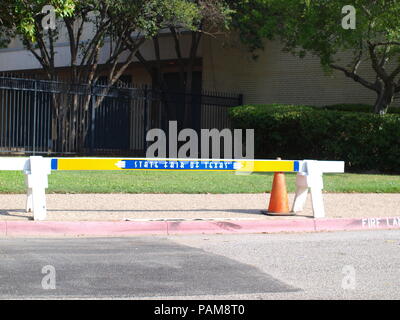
(124, 24)
(5, 13)
(315, 27)
(209, 17)
(5, 23)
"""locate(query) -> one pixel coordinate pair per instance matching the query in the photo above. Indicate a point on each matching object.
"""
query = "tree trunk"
(384, 99)
(188, 121)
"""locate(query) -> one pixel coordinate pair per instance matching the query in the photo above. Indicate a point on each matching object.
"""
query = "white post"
(301, 192)
(310, 177)
(37, 183)
(316, 184)
(29, 201)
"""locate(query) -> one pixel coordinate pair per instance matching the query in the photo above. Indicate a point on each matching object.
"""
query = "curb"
(127, 228)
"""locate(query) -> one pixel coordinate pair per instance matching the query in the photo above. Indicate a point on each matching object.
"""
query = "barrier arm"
(37, 169)
(310, 178)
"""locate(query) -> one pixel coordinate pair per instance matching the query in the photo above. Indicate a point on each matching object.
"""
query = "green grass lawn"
(190, 182)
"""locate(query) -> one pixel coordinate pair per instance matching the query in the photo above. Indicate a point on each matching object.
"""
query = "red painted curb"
(93, 228)
(228, 227)
(357, 224)
(124, 228)
(3, 228)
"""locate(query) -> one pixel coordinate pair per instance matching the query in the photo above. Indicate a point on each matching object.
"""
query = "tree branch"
(380, 70)
(356, 77)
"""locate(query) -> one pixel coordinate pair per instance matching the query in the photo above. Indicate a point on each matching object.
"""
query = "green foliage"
(147, 16)
(154, 15)
(5, 36)
(26, 16)
(358, 108)
(216, 15)
(364, 141)
(350, 107)
(315, 27)
(121, 20)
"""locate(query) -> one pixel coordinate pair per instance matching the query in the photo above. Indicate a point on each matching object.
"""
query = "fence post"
(145, 123)
(34, 117)
(93, 125)
(240, 99)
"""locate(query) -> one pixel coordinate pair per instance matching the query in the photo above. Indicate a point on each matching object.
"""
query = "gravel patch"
(117, 207)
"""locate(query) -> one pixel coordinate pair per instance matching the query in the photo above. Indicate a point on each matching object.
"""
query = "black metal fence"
(44, 117)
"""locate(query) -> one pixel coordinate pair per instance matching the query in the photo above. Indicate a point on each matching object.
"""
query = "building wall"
(275, 77)
(278, 77)
(16, 58)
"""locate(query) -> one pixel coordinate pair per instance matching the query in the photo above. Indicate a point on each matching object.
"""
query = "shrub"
(365, 141)
(358, 108)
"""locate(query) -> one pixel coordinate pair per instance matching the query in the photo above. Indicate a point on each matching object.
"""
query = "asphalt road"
(345, 265)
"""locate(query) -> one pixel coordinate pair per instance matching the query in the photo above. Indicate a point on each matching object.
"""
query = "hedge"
(365, 141)
(358, 108)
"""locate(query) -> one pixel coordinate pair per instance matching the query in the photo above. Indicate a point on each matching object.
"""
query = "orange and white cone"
(279, 202)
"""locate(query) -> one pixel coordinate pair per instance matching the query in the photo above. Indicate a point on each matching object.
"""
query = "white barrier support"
(36, 178)
(310, 177)
(316, 184)
(301, 192)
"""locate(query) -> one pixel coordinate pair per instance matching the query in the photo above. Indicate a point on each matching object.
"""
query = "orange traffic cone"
(279, 202)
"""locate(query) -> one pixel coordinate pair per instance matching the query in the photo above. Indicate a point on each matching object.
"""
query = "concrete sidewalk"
(165, 214)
